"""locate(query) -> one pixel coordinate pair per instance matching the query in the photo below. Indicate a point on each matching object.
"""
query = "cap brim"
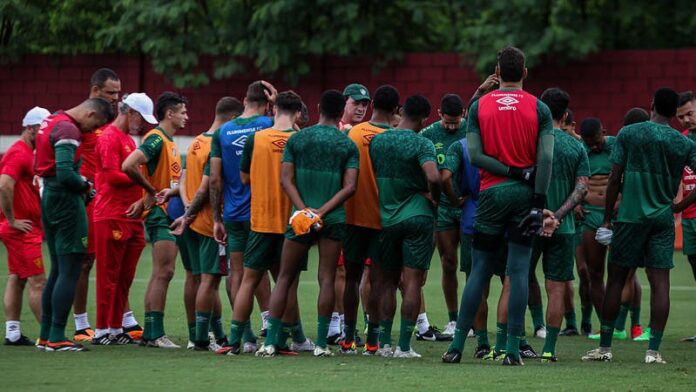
(360, 97)
(149, 118)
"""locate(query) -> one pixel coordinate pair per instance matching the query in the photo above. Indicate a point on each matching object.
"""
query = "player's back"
(569, 161)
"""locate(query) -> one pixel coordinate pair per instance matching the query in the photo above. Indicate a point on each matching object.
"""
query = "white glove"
(604, 235)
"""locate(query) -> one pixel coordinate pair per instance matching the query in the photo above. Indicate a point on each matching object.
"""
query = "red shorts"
(23, 252)
(90, 228)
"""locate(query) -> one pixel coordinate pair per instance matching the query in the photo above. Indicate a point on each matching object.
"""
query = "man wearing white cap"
(118, 228)
(20, 228)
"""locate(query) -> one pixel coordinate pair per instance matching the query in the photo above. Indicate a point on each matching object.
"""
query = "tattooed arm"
(574, 199)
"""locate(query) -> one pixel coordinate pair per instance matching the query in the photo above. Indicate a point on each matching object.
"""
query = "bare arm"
(215, 188)
(199, 199)
(131, 166)
(448, 188)
(287, 181)
(432, 175)
(350, 179)
(7, 184)
(246, 179)
(574, 199)
(182, 189)
(613, 190)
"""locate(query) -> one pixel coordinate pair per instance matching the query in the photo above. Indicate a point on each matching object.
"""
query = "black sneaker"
(432, 334)
(334, 339)
(527, 352)
(569, 331)
(511, 361)
(452, 356)
(22, 341)
(122, 339)
(482, 351)
(104, 340)
(586, 329)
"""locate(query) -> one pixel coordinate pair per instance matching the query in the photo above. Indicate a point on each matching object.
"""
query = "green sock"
(635, 316)
(385, 328)
(537, 311)
(586, 315)
(147, 326)
(272, 331)
(452, 316)
(202, 325)
(157, 325)
(405, 333)
(571, 322)
(322, 330)
(285, 329)
(523, 340)
(621, 318)
(350, 326)
(297, 332)
(606, 333)
(482, 338)
(512, 347)
(458, 340)
(373, 330)
(550, 342)
(192, 331)
(236, 331)
(57, 333)
(45, 330)
(655, 340)
(216, 327)
(500, 337)
(248, 334)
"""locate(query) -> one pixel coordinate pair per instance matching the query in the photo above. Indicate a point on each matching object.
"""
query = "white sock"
(12, 330)
(342, 322)
(264, 319)
(335, 325)
(422, 323)
(129, 320)
(99, 332)
(115, 331)
(81, 321)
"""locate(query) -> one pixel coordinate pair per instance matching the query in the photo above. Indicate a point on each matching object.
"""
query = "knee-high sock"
(64, 293)
(518, 270)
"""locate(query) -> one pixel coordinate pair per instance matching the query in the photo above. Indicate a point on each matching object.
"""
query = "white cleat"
(652, 356)
(213, 346)
(449, 329)
(266, 351)
(540, 333)
(406, 354)
(250, 347)
(190, 345)
(164, 342)
(322, 352)
(305, 347)
(385, 351)
(598, 355)
(471, 333)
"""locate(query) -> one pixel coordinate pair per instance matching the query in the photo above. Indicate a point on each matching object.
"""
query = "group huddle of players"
(505, 179)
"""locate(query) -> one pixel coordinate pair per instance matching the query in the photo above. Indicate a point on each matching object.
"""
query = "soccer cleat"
(652, 356)
(266, 351)
(122, 339)
(689, 339)
(249, 347)
(103, 340)
(385, 351)
(620, 335)
(322, 352)
(482, 351)
(84, 335)
(452, 356)
(431, 335)
(228, 350)
(190, 345)
(548, 358)
(41, 344)
(586, 329)
(347, 348)
(449, 329)
(636, 331)
(527, 352)
(135, 332)
(406, 354)
(370, 351)
(598, 355)
(306, 346)
(22, 341)
(569, 331)
(214, 345)
(512, 361)
(286, 352)
(334, 339)
(540, 332)
(594, 336)
(65, 345)
(163, 342)
(644, 337)
(494, 355)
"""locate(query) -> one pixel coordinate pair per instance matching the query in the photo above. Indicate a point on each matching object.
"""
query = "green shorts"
(157, 226)
(465, 248)
(646, 244)
(360, 243)
(689, 236)
(336, 232)
(201, 254)
(501, 205)
(237, 236)
(407, 244)
(558, 257)
(594, 218)
(65, 221)
(263, 251)
(448, 218)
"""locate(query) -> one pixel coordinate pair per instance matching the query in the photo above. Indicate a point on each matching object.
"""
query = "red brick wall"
(605, 85)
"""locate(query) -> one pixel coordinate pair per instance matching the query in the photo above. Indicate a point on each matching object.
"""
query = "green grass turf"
(135, 368)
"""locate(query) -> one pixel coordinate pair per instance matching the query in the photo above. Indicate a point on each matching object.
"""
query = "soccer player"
(508, 131)
(686, 115)
(20, 228)
(161, 169)
(104, 84)
(650, 158)
(571, 170)
(450, 129)
(362, 215)
(119, 236)
(569, 126)
(231, 227)
(408, 185)
(319, 173)
(65, 194)
(357, 101)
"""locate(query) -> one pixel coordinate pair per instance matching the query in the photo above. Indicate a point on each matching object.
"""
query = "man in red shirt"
(20, 228)
(118, 229)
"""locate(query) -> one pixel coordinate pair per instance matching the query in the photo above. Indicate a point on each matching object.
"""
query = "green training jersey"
(599, 161)
(397, 157)
(321, 154)
(442, 140)
(653, 156)
(569, 162)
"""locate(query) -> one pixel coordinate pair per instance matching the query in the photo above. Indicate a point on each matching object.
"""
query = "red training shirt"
(18, 163)
(58, 127)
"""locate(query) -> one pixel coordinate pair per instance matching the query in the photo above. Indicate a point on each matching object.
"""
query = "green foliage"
(282, 36)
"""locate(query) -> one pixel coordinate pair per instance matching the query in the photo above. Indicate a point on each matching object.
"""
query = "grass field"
(135, 368)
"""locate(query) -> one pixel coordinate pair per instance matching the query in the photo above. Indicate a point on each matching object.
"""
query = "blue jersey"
(228, 144)
(469, 185)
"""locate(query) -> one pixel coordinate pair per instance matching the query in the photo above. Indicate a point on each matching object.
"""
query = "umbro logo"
(507, 103)
(368, 138)
(280, 143)
(240, 141)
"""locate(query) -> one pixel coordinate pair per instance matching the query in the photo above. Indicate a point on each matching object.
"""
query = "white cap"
(35, 116)
(142, 104)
